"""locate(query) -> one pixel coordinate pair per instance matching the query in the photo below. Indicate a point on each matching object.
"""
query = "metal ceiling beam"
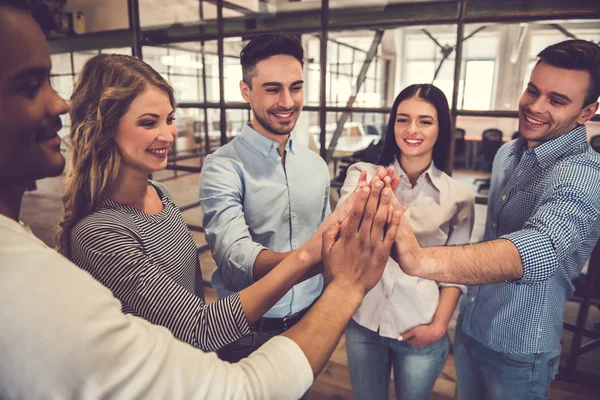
(308, 21)
(355, 90)
(93, 41)
(524, 10)
(387, 16)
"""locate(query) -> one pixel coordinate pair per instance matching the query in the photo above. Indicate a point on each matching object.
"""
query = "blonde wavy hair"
(102, 94)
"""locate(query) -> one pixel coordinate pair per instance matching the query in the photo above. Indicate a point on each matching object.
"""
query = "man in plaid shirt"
(543, 221)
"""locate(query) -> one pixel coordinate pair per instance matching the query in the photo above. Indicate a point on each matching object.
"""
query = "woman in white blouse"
(403, 320)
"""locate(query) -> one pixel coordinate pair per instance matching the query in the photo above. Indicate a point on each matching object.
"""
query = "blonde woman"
(126, 230)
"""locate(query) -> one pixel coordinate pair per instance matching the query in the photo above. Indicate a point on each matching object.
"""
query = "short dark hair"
(265, 46)
(576, 55)
(435, 97)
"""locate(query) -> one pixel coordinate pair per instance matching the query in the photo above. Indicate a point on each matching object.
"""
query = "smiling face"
(277, 95)
(29, 107)
(416, 128)
(146, 132)
(552, 103)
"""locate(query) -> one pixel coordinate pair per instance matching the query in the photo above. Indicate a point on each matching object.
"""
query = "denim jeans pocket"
(516, 360)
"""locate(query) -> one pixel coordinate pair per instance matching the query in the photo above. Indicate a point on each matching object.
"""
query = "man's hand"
(406, 250)
(312, 248)
(355, 255)
(423, 335)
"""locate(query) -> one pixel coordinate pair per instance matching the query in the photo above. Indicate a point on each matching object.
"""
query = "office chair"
(595, 143)
(491, 141)
(459, 148)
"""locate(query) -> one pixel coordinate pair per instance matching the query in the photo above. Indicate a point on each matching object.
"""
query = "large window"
(430, 55)
(65, 67)
(545, 36)
(346, 55)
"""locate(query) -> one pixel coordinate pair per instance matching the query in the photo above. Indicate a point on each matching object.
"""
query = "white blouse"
(440, 212)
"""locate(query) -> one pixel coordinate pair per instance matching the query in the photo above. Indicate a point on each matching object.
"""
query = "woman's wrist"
(439, 327)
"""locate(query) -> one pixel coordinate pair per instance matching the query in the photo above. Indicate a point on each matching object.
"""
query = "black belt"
(279, 325)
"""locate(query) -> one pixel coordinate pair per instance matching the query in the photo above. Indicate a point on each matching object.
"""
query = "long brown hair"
(102, 94)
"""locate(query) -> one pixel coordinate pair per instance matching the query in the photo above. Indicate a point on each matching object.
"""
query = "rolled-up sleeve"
(461, 228)
(559, 227)
(227, 234)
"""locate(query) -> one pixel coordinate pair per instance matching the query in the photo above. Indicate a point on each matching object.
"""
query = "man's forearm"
(319, 331)
(472, 264)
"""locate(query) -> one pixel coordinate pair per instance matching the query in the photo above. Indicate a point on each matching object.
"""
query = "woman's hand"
(424, 335)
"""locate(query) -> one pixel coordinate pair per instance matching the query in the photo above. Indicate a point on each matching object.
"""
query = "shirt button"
(503, 197)
(473, 299)
(278, 158)
(494, 224)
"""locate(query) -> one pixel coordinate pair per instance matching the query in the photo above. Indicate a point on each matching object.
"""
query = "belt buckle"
(285, 320)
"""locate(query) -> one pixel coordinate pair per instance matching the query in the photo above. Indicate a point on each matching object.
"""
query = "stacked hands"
(356, 248)
(352, 246)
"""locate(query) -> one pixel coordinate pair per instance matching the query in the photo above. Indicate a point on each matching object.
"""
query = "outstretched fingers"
(371, 207)
(329, 238)
(381, 215)
(392, 231)
(355, 215)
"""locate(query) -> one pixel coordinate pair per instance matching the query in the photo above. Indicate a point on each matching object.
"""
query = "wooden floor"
(41, 210)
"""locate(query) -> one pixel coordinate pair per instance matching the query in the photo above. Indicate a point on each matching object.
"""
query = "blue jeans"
(485, 374)
(370, 358)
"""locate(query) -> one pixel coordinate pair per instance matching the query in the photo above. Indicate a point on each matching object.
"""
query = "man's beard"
(286, 130)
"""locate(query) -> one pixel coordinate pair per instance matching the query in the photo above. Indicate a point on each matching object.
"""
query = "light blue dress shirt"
(546, 200)
(252, 201)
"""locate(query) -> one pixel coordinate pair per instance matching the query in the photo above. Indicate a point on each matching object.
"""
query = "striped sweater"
(151, 265)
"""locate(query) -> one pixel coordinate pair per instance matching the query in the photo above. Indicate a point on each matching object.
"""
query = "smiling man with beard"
(29, 114)
(263, 194)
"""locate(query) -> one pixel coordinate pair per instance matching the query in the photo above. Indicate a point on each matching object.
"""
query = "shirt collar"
(433, 174)
(263, 144)
(548, 152)
(573, 141)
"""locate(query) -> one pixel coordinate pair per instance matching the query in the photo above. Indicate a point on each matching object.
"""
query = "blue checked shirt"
(251, 202)
(546, 201)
